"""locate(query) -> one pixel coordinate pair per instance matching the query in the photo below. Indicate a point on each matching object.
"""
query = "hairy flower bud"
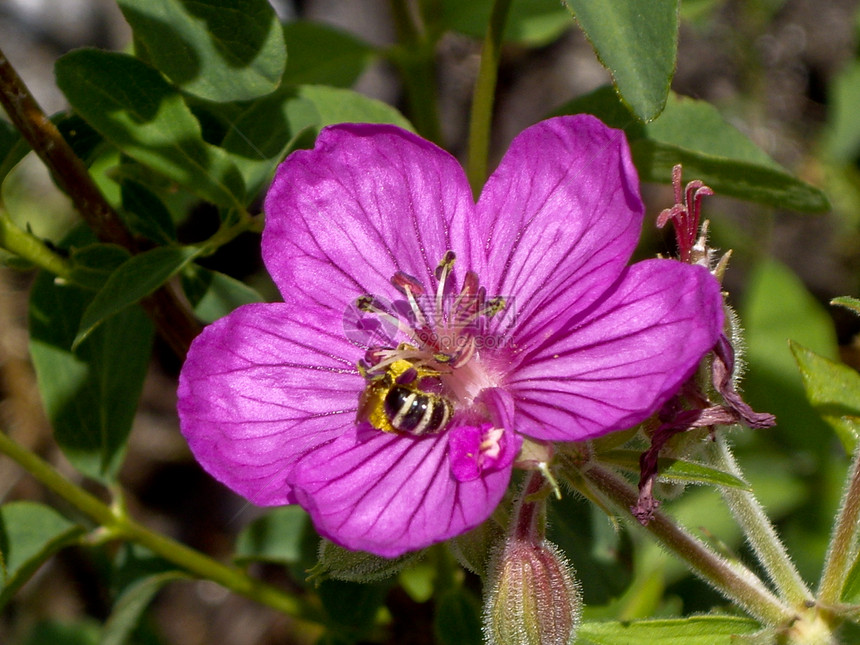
(533, 596)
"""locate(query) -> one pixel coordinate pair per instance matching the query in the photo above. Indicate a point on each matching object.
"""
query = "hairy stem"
(174, 321)
(760, 534)
(484, 96)
(731, 579)
(843, 549)
(117, 524)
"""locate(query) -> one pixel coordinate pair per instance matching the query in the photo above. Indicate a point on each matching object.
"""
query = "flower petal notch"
(424, 337)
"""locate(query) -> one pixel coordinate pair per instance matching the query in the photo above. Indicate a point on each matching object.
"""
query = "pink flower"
(422, 336)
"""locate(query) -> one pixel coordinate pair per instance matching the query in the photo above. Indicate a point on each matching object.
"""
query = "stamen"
(368, 304)
(443, 272)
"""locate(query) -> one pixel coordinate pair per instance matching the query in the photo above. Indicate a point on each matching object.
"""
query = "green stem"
(119, 525)
(483, 97)
(28, 246)
(733, 580)
(760, 534)
(843, 543)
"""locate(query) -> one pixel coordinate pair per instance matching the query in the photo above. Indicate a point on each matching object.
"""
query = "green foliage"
(138, 111)
(675, 470)
(30, 533)
(638, 43)
(214, 295)
(530, 22)
(90, 393)
(322, 55)
(220, 50)
(833, 389)
(457, 618)
(697, 630)
(131, 605)
(693, 133)
(134, 279)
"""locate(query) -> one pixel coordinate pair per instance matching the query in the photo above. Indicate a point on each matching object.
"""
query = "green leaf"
(336, 105)
(131, 604)
(90, 394)
(776, 308)
(135, 108)
(848, 302)
(322, 55)
(533, 23)
(637, 42)
(695, 630)
(842, 134)
(145, 214)
(851, 589)
(93, 264)
(601, 554)
(833, 389)
(457, 619)
(472, 548)
(13, 148)
(30, 533)
(219, 50)
(136, 278)
(677, 470)
(277, 536)
(214, 295)
(693, 133)
(352, 607)
(358, 566)
(53, 632)
(262, 134)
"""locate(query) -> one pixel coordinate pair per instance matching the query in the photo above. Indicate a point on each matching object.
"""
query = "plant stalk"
(119, 525)
(731, 579)
(843, 549)
(483, 97)
(760, 534)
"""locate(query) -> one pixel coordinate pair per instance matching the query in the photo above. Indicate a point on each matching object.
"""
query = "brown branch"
(174, 321)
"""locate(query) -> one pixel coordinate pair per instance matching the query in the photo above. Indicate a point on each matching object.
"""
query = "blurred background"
(784, 72)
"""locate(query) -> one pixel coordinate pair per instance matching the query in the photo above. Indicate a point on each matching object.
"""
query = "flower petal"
(388, 494)
(558, 220)
(366, 202)
(262, 387)
(624, 358)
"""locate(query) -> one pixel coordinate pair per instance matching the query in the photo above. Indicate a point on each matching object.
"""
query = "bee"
(400, 400)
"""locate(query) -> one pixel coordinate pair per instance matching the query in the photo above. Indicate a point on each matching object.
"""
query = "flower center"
(416, 387)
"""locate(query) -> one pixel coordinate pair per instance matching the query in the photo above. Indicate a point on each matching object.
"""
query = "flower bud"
(533, 596)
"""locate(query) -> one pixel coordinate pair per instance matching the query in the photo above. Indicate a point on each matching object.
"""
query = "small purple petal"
(388, 494)
(366, 202)
(473, 450)
(623, 359)
(262, 387)
(558, 221)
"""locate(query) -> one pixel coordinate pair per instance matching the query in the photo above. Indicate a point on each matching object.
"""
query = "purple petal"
(624, 359)
(388, 494)
(473, 450)
(366, 202)
(559, 219)
(262, 387)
